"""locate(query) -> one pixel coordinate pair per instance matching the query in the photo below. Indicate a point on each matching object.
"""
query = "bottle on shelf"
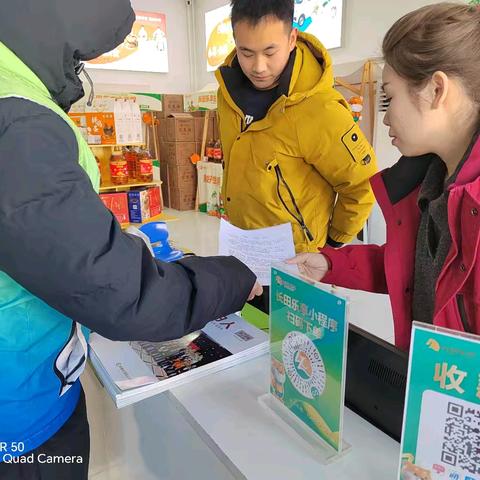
(217, 152)
(131, 157)
(209, 150)
(144, 165)
(118, 167)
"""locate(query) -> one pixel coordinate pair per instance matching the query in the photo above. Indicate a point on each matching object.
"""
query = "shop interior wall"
(177, 80)
(202, 77)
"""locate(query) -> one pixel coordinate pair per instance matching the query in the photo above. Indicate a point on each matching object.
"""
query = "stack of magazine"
(133, 371)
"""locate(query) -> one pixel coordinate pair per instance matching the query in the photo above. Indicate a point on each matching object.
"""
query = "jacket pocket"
(463, 313)
(293, 211)
(71, 359)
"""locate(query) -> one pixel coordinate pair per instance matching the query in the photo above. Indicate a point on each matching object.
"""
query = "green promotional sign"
(441, 427)
(308, 334)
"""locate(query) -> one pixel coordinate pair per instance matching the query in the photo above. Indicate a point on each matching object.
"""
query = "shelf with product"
(127, 186)
(124, 165)
(112, 145)
(161, 217)
(123, 136)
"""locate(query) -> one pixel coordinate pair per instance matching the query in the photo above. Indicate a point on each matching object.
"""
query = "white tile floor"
(152, 440)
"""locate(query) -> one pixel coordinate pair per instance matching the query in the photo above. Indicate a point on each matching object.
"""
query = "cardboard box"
(117, 203)
(165, 187)
(163, 172)
(165, 194)
(182, 199)
(172, 104)
(138, 206)
(98, 128)
(154, 198)
(182, 177)
(199, 125)
(162, 129)
(180, 128)
(177, 153)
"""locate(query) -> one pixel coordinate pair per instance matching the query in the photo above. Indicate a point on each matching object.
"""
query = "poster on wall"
(218, 28)
(143, 50)
(322, 18)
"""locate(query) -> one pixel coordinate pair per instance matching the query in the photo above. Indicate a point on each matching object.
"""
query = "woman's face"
(408, 116)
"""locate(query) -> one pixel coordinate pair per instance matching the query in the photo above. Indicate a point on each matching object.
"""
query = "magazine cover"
(167, 359)
(132, 371)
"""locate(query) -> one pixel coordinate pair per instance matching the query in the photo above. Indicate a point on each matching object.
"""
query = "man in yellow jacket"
(292, 150)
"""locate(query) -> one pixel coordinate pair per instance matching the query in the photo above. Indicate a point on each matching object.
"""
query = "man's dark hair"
(253, 11)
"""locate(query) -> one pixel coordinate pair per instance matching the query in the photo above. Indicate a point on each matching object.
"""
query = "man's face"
(263, 50)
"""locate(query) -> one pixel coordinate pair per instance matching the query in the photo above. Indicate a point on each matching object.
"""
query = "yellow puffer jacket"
(290, 166)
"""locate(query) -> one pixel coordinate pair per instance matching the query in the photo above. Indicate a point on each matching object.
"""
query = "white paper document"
(258, 249)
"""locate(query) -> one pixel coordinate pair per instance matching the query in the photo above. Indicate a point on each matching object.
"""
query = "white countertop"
(224, 410)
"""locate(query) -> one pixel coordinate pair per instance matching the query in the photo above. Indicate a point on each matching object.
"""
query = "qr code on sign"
(448, 441)
(243, 335)
(462, 427)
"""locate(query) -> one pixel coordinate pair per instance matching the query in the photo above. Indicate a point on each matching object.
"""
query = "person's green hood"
(52, 36)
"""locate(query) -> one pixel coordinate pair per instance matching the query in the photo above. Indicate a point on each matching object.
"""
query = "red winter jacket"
(390, 268)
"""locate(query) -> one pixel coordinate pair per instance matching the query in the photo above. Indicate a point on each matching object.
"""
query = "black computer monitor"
(376, 381)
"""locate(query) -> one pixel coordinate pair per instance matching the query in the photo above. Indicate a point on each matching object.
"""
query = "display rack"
(162, 217)
(366, 90)
(127, 186)
(290, 424)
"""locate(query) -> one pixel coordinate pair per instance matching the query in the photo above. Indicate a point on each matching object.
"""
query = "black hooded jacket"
(57, 238)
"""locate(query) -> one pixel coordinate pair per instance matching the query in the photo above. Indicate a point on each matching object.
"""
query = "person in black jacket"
(64, 260)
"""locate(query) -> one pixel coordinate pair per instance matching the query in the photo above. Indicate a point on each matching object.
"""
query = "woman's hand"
(312, 265)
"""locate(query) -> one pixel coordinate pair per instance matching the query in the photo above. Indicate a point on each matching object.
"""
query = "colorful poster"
(308, 334)
(322, 18)
(441, 427)
(220, 43)
(143, 50)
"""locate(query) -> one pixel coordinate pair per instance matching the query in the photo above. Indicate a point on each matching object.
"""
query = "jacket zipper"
(463, 314)
(58, 373)
(298, 216)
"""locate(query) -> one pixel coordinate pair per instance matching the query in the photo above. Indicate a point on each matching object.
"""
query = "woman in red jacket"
(430, 265)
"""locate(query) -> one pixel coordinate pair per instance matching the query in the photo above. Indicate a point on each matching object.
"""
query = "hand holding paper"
(258, 249)
(312, 265)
